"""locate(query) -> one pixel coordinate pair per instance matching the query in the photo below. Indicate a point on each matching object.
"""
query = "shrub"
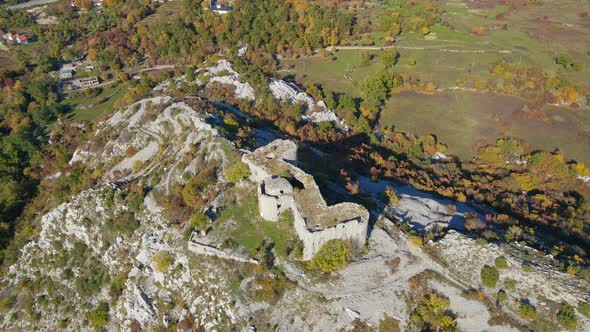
(584, 308)
(163, 261)
(389, 324)
(433, 313)
(197, 184)
(333, 256)
(199, 221)
(501, 263)
(7, 303)
(502, 296)
(473, 223)
(480, 241)
(393, 264)
(528, 311)
(270, 289)
(126, 223)
(527, 268)
(509, 283)
(489, 276)
(391, 196)
(136, 167)
(237, 172)
(99, 316)
(417, 240)
(118, 285)
(566, 316)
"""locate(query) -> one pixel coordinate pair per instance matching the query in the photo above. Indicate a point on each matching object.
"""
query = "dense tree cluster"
(531, 83)
(543, 193)
(433, 313)
(410, 16)
(27, 105)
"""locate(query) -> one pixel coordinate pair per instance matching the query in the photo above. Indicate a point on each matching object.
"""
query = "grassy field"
(88, 109)
(6, 61)
(531, 35)
(465, 120)
(248, 229)
(340, 72)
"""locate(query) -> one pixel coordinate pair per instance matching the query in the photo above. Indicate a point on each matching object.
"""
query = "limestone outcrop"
(283, 186)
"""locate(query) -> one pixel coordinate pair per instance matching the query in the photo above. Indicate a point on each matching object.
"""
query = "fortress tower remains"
(283, 186)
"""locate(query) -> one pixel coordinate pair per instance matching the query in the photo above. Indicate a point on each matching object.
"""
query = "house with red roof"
(15, 39)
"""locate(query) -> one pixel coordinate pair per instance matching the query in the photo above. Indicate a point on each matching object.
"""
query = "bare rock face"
(316, 111)
(223, 73)
(110, 245)
(541, 285)
(98, 238)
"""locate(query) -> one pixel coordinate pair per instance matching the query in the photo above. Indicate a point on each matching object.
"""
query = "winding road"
(431, 47)
(31, 3)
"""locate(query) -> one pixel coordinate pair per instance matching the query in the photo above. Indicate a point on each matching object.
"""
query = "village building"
(15, 39)
(65, 74)
(219, 8)
(89, 82)
(283, 186)
(82, 83)
(67, 70)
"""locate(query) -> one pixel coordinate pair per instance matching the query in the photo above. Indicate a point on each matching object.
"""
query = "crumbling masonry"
(283, 186)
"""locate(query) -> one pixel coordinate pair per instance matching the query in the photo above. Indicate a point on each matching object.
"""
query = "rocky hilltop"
(171, 237)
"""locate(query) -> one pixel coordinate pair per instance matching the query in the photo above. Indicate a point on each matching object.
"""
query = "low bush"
(501, 263)
(237, 172)
(163, 261)
(566, 316)
(99, 317)
(270, 289)
(433, 314)
(489, 276)
(528, 311)
(7, 303)
(333, 256)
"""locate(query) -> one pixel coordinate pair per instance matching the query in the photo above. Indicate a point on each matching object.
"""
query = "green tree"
(489, 276)
(501, 263)
(99, 317)
(433, 313)
(365, 58)
(374, 92)
(389, 57)
(237, 172)
(163, 261)
(333, 256)
(528, 311)
(566, 316)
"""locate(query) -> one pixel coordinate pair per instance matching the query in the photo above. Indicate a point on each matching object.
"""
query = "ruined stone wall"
(205, 249)
(354, 229)
(271, 207)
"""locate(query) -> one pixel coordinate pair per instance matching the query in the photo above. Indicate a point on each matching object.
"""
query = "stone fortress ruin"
(283, 186)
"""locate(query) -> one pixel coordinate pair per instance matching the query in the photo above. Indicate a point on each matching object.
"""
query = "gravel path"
(31, 3)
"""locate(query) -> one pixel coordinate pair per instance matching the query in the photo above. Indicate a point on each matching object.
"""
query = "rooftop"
(277, 185)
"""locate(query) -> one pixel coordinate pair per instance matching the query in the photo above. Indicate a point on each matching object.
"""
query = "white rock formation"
(168, 130)
(222, 72)
(316, 111)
